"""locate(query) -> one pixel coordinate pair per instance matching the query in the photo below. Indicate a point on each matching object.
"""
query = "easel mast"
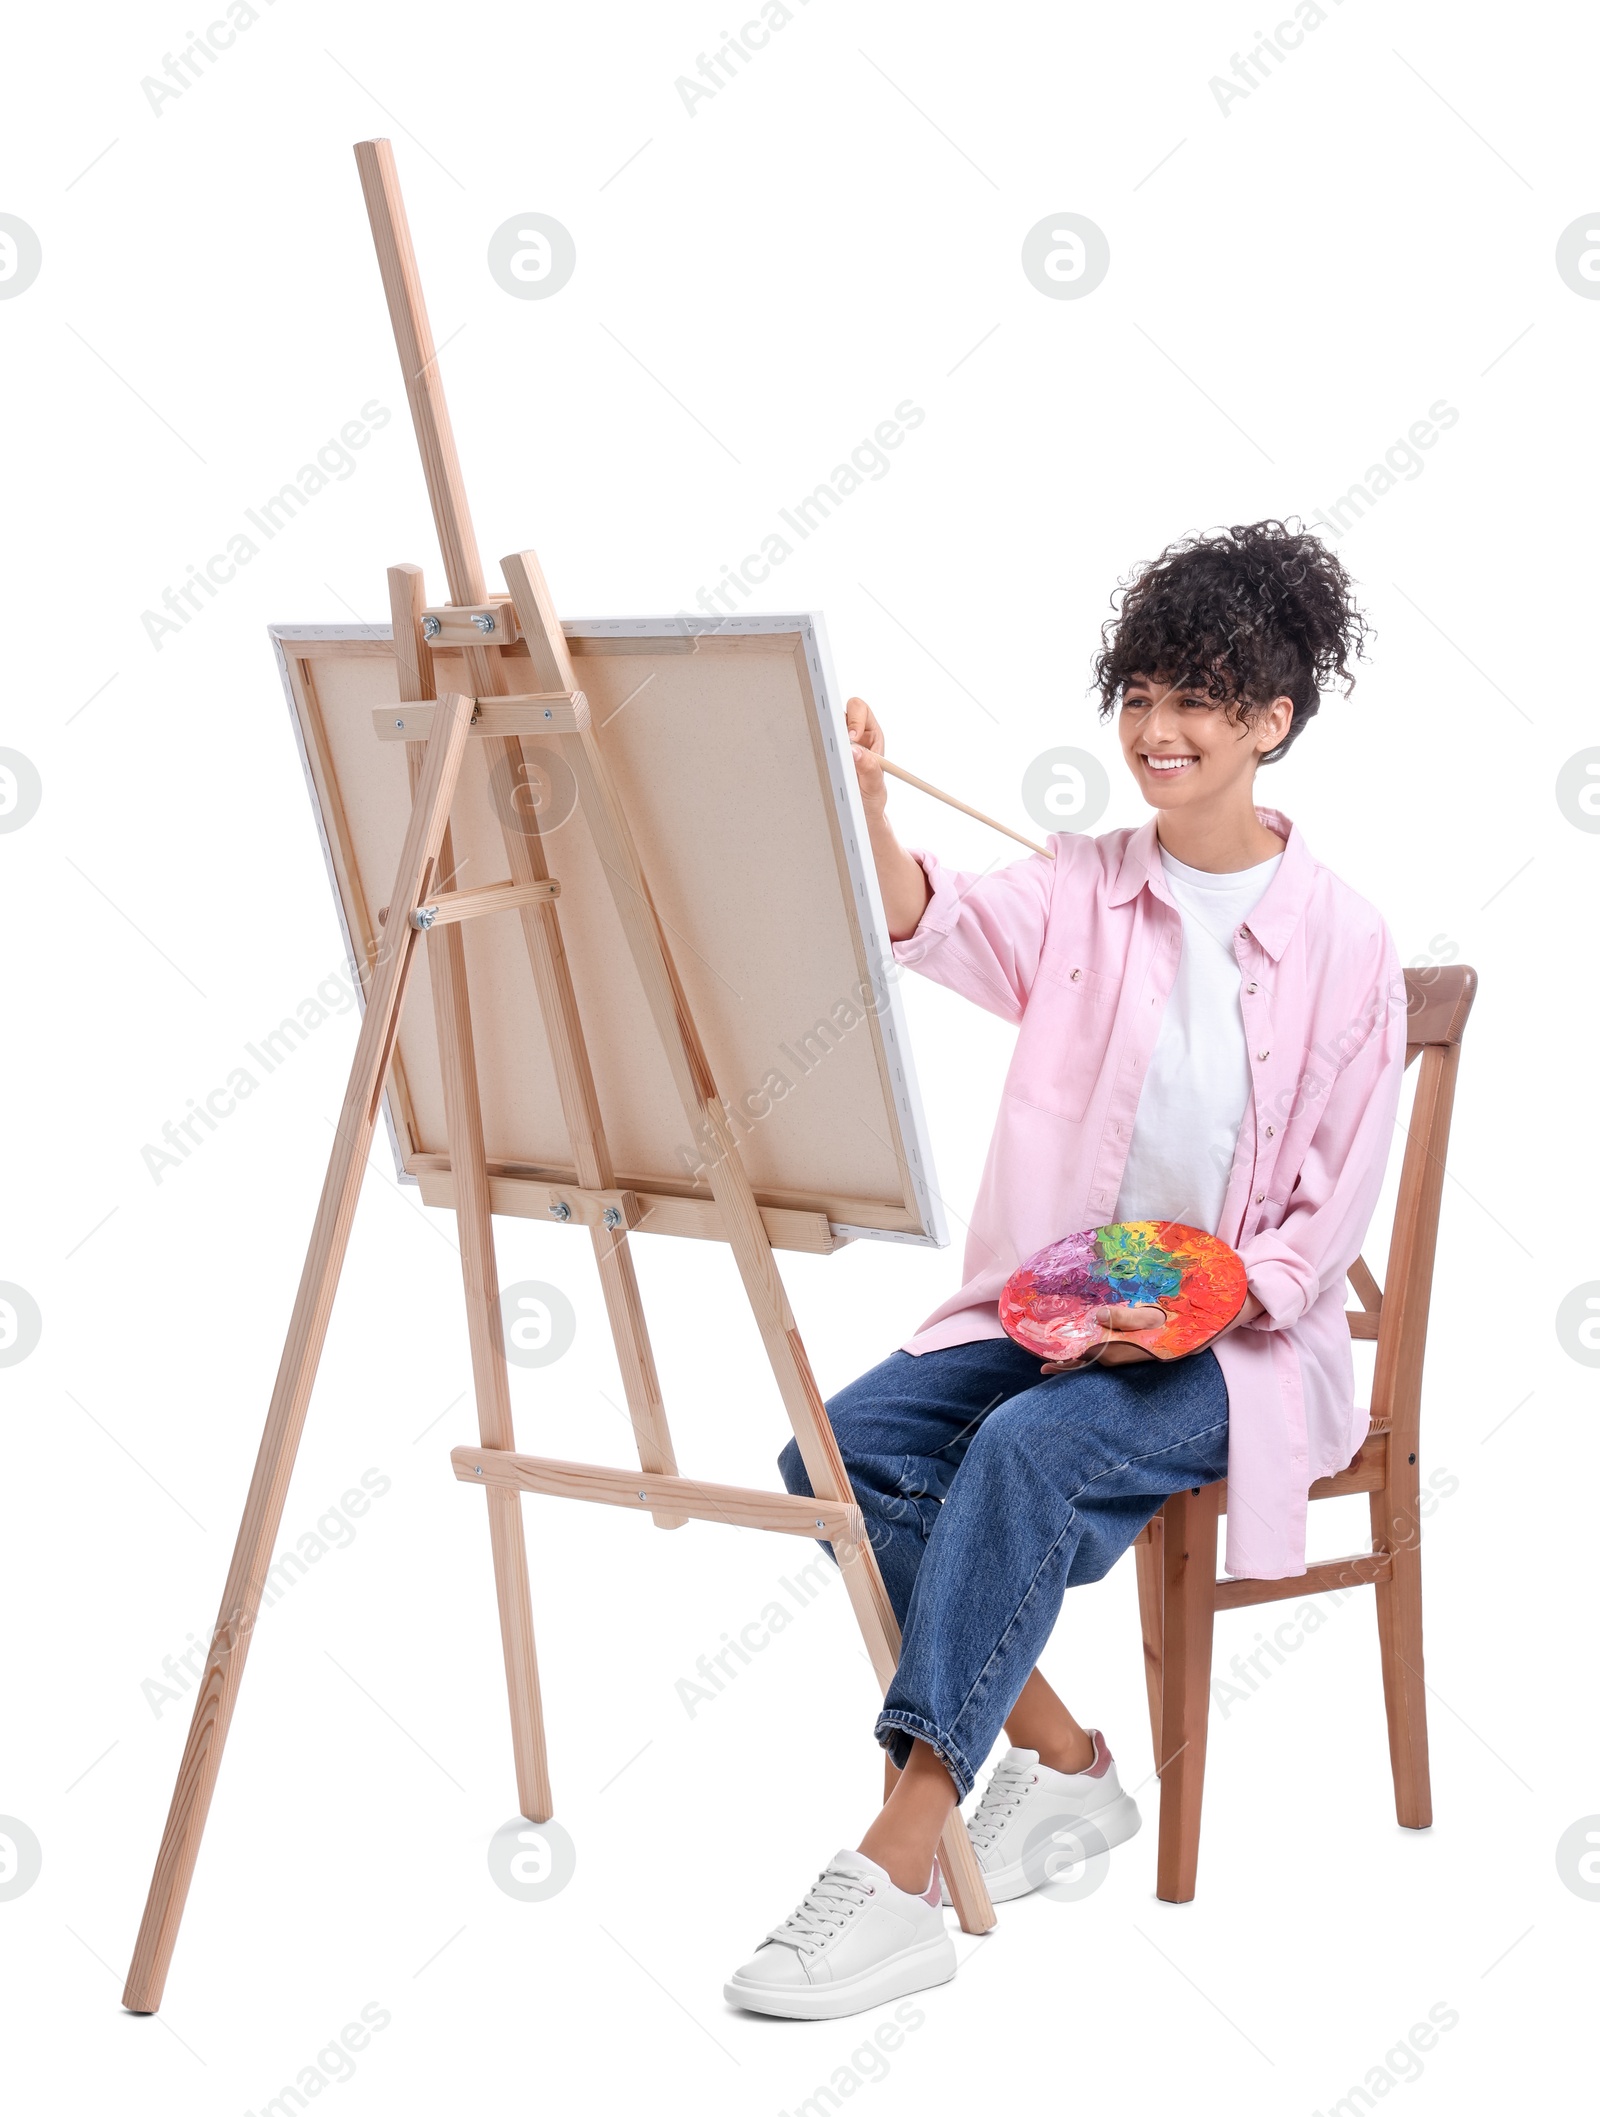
(424, 901)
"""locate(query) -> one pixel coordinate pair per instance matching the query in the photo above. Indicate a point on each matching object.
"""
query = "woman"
(1211, 1030)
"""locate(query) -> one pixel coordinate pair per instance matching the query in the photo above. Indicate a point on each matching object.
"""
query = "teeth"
(1168, 764)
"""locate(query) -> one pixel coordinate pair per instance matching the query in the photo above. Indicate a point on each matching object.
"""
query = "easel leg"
(447, 970)
(742, 1224)
(580, 1107)
(330, 1235)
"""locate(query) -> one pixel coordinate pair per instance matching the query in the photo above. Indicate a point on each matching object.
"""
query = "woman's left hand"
(1108, 1353)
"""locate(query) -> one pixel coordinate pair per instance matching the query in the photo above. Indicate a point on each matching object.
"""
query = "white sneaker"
(1011, 1827)
(854, 1942)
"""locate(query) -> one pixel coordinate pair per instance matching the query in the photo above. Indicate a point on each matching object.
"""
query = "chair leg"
(1189, 1576)
(1405, 1698)
(1147, 1565)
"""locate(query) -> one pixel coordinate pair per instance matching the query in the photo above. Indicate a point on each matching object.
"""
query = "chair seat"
(1365, 1472)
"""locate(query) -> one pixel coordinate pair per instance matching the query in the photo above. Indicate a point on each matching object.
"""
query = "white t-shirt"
(1197, 1089)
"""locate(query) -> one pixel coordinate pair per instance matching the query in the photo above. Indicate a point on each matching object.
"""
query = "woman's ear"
(1274, 723)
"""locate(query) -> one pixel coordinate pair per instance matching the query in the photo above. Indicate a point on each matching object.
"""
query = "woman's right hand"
(866, 746)
(901, 879)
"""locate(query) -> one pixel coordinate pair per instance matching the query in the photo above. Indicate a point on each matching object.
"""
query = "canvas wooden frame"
(869, 1105)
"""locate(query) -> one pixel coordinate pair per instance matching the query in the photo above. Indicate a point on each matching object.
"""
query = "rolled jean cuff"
(894, 1731)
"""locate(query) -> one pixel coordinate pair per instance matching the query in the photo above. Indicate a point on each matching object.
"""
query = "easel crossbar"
(515, 713)
(449, 907)
(741, 1506)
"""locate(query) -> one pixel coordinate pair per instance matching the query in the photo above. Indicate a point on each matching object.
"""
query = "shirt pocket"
(1065, 1036)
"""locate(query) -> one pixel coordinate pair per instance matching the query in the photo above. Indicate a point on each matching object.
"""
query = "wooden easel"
(424, 901)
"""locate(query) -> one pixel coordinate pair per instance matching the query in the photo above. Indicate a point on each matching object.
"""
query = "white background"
(1299, 279)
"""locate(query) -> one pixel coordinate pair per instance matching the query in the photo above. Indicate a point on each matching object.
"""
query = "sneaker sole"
(1118, 1821)
(911, 1970)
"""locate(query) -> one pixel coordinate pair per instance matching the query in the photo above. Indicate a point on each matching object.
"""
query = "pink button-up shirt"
(1081, 952)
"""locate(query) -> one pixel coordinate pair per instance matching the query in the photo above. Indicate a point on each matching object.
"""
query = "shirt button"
(1263, 1054)
(1251, 986)
(1269, 1131)
(1076, 975)
(1261, 1197)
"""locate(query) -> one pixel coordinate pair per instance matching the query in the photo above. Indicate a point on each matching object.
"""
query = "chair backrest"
(1438, 1001)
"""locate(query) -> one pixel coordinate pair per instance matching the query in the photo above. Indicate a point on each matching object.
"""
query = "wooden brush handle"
(911, 780)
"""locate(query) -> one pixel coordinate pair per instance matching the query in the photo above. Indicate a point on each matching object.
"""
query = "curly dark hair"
(1260, 611)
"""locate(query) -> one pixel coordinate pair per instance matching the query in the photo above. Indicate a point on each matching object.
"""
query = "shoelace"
(1012, 1782)
(835, 1896)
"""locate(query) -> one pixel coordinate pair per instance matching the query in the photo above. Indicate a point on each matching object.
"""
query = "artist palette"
(1048, 1303)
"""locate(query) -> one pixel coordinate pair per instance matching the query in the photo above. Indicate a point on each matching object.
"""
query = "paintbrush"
(911, 780)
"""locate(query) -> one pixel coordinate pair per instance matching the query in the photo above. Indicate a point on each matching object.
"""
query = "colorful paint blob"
(1048, 1304)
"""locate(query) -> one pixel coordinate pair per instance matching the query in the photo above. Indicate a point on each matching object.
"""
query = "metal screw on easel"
(430, 628)
(612, 1216)
(485, 621)
(424, 916)
(561, 1210)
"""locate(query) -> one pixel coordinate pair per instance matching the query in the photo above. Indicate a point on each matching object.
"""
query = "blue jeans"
(988, 1491)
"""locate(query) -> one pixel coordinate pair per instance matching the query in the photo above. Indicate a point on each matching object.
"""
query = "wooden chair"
(1176, 1554)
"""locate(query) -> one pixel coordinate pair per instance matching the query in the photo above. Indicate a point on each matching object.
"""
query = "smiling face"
(1186, 749)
